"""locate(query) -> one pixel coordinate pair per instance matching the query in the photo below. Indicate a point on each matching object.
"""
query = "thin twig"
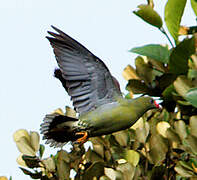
(164, 32)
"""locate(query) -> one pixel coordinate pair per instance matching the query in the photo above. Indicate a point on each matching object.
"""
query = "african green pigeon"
(95, 94)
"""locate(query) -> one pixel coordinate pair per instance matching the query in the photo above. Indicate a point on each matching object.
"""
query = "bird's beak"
(157, 104)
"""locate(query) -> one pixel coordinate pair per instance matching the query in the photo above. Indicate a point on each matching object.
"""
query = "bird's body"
(95, 94)
(112, 117)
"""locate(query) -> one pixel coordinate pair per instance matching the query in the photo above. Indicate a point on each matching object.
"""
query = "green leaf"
(128, 170)
(35, 140)
(190, 141)
(180, 54)
(142, 132)
(158, 149)
(182, 85)
(49, 164)
(122, 137)
(157, 172)
(193, 125)
(154, 51)
(173, 136)
(63, 168)
(41, 150)
(194, 6)
(183, 171)
(173, 13)
(95, 170)
(144, 70)
(167, 93)
(137, 87)
(180, 129)
(132, 157)
(192, 73)
(191, 96)
(149, 15)
(112, 174)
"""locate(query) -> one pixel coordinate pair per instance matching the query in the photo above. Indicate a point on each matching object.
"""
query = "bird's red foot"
(84, 138)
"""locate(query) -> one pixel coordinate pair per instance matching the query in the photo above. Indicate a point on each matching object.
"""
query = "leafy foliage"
(162, 144)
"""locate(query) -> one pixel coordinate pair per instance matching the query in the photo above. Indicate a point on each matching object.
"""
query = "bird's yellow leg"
(84, 138)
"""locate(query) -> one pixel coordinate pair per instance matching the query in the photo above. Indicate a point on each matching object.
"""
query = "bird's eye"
(152, 101)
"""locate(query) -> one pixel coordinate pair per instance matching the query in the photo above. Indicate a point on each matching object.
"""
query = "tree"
(162, 144)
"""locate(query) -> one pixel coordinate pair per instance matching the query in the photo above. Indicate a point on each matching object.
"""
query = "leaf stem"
(164, 32)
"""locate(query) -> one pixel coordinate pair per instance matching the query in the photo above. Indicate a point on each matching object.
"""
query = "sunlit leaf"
(128, 170)
(162, 128)
(154, 51)
(158, 149)
(182, 85)
(70, 112)
(35, 140)
(192, 73)
(24, 147)
(63, 168)
(132, 157)
(21, 133)
(49, 164)
(93, 156)
(105, 178)
(183, 30)
(183, 171)
(3, 178)
(129, 73)
(112, 174)
(149, 15)
(122, 137)
(180, 129)
(190, 141)
(58, 111)
(142, 133)
(191, 96)
(173, 13)
(193, 125)
(20, 161)
(194, 6)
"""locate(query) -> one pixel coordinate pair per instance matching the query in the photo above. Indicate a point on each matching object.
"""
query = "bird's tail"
(59, 129)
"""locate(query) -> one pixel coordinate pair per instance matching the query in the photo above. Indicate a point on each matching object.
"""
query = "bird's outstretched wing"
(87, 79)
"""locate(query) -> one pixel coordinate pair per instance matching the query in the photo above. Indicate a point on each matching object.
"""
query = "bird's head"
(148, 102)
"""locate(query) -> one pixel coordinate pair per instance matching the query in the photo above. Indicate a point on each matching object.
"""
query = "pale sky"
(28, 90)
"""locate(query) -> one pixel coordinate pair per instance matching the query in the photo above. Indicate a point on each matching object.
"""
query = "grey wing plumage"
(88, 80)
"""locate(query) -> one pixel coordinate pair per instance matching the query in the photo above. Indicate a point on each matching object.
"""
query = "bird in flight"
(95, 94)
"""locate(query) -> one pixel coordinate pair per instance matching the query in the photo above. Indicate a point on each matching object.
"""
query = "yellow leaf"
(70, 112)
(21, 133)
(162, 128)
(49, 164)
(129, 73)
(138, 124)
(3, 178)
(132, 157)
(183, 30)
(58, 111)
(24, 147)
(35, 140)
(20, 161)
